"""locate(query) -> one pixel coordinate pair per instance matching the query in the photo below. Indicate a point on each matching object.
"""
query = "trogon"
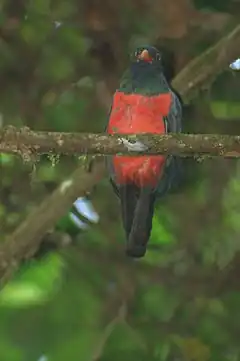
(144, 103)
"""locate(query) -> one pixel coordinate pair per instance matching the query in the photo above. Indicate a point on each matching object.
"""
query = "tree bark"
(31, 144)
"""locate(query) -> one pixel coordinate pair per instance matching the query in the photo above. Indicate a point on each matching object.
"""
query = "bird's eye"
(158, 57)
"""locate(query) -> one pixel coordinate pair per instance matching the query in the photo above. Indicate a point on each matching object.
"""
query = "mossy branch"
(30, 144)
(201, 72)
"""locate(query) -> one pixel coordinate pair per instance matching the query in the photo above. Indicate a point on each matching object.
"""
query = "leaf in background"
(216, 307)
(82, 343)
(160, 234)
(162, 350)
(9, 350)
(21, 294)
(35, 285)
(46, 172)
(225, 110)
(6, 159)
(161, 237)
(40, 7)
(124, 343)
(159, 302)
(210, 328)
(2, 211)
(192, 348)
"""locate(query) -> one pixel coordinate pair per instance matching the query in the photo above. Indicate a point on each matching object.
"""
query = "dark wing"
(173, 169)
(174, 118)
(109, 164)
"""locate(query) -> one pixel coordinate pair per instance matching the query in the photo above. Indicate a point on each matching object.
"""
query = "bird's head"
(146, 54)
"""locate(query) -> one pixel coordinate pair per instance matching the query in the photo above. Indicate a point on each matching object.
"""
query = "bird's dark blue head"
(146, 54)
(145, 74)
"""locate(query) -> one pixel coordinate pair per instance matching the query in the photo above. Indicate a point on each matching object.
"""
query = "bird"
(144, 102)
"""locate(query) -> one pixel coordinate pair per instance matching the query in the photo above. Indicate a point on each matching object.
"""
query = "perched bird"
(143, 103)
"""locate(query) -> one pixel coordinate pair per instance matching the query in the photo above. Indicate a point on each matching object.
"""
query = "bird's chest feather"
(135, 113)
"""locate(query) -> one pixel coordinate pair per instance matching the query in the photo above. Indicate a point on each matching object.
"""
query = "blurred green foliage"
(182, 300)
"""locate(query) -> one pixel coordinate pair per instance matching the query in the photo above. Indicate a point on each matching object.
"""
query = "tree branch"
(203, 70)
(25, 240)
(30, 144)
(99, 348)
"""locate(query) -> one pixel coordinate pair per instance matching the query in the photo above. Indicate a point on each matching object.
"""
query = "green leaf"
(159, 303)
(41, 7)
(160, 233)
(82, 343)
(162, 350)
(6, 159)
(225, 110)
(9, 350)
(216, 307)
(35, 284)
(192, 348)
(21, 294)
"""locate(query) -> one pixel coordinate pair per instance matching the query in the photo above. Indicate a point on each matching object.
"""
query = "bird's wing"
(174, 117)
(173, 168)
(109, 163)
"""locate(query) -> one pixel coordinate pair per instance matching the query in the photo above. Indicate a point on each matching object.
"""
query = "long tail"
(137, 212)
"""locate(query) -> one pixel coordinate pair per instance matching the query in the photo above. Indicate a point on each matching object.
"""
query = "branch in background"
(25, 240)
(203, 70)
(30, 144)
(120, 318)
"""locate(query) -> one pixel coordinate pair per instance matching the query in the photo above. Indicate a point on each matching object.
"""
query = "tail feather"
(137, 213)
(129, 196)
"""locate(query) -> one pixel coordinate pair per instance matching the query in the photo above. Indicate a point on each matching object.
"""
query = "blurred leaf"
(82, 343)
(34, 32)
(162, 350)
(2, 211)
(85, 82)
(211, 329)
(159, 303)
(21, 294)
(6, 159)
(216, 307)
(126, 342)
(160, 234)
(35, 285)
(9, 351)
(225, 110)
(192, 348)
(39, 6)
(56, 65)
(12, 218)
(46, 172)
(46, 273)
(71, 41)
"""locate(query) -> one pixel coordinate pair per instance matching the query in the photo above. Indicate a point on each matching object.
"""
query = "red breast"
(135, 113)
